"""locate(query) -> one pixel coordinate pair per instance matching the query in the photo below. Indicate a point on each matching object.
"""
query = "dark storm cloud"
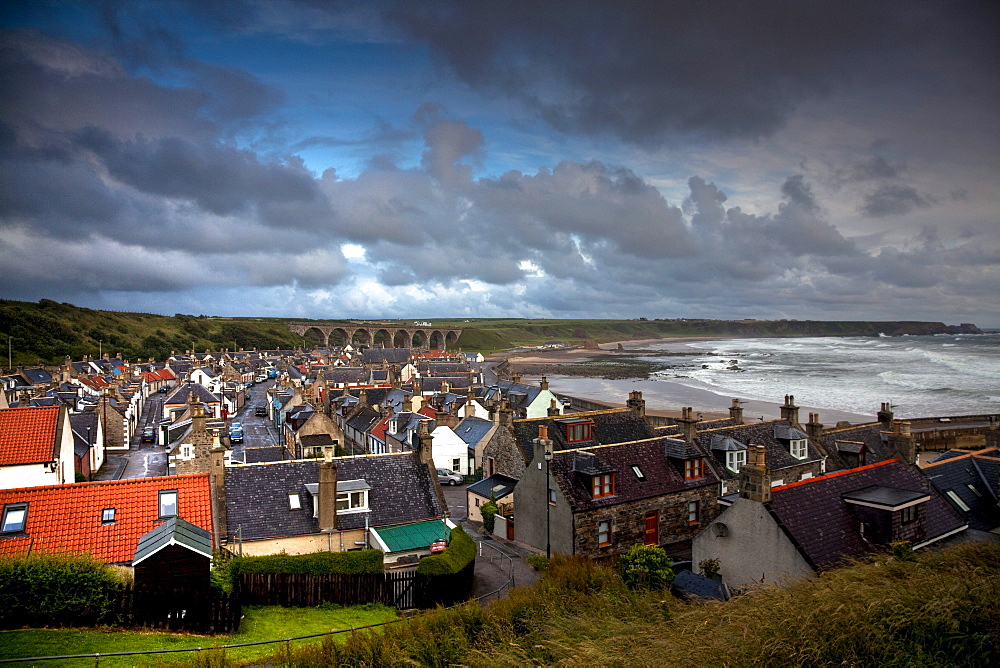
(650, 71)
(895, 200)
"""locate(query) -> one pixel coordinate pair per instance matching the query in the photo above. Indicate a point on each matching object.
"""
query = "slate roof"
(497, 484)
(972, 477)
(691, 586)
(267, 453)
(661, 474)
(473, 429)
(765, 433)
(28, 435)
(387, 356)
(79, 422)
(182, 393)
(175, 531)
(822, 525)
(872, 436)
(616, 425)
(257, 494)
(342, 375)
(68, 518)
(37, 376)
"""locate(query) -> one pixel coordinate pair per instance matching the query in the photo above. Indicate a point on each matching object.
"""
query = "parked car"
(148, 435)
(235, 435)
(260, 410)
(260, 379)
(446, 477)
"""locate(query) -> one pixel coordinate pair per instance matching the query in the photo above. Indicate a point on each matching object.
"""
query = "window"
(187, 451)
(456, 464)
(603, 485)
(579, 431)
(735, 459)
(951, 495)
(604, 533)
(352, 501)
(797, 448)
(908, 514)
(108, 516)
(168, 503)
(15, 516)
(294, 501)
(477, 503)
(552, 497)
(692, 468)
(694, 514)
(638, 473)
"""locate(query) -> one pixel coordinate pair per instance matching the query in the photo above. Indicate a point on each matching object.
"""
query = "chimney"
(885, 415)
(516, 377)
(755, 477)
(790, 411)
(197, 410)
(470, 409)
(218, 490)
(445, 387)
(689, 424)
(505, 416)
(424, 443)
(543, 442)
(736, 412)
(327, 492)
(553, 408)
(902, 442)
(363, 397)
(408, 402)
(544, 385)
(636, 402)
(814, 428)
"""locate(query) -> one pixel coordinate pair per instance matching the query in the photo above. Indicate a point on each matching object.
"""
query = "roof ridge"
(95, 483)
(618, 409)
(853, 426)
(835, 474)
(745, 424)
(967, 455)
(641, 441)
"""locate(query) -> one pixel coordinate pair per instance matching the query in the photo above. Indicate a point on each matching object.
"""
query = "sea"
(843, 377)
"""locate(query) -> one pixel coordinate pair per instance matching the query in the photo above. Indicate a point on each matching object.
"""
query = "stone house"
(88, 443)
(776, 535)
(601, 500)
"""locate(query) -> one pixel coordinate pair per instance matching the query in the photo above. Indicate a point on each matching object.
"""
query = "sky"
(299, 158)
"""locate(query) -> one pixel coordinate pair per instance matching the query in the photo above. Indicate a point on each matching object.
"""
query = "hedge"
(58, 590)
(320, 563)
(460, 552)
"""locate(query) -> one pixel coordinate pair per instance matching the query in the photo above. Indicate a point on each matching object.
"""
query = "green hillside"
(48, 331)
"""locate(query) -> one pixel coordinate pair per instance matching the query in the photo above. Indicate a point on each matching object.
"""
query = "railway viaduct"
(342, 332)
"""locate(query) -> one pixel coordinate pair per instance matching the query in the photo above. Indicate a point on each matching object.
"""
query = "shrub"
(319, 563)
(646, 567)
(539, 562)
(489, 512)
(63, 590)
(460, 552)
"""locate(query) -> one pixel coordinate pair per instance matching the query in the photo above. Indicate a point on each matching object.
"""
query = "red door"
(652, 528)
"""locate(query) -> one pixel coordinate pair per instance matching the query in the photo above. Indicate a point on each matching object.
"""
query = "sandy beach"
(663, 397)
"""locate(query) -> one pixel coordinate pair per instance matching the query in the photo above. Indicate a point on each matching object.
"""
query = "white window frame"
(294, 501)
(167, 494)
(798, 448)
(108, 515)
(604, 532)
(355, 500)
(958, 500)
(735, 460)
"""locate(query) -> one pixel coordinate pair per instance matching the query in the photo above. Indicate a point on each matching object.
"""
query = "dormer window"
(797, 448)
(692, 468)
(578, 430)
(352, 501)
(735, 460)
(602, 485)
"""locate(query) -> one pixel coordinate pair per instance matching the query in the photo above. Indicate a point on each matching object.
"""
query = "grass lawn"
(259, 623)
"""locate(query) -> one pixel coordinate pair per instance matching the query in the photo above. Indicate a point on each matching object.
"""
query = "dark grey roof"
(269, 453)
(788, 432)
(617, 425)
(37, 376)
(726, 443)
(972, 478)
(679, 449)
(825, 529)
(890, 498)
(473, 429)
(758, 433)
(839, 442)
(691, 586)
(182, 393)
(257, 494)
(175, 531)
(588, 463)
(497, 484)
(387, 355)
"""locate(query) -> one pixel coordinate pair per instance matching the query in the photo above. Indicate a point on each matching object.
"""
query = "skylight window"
(638, 473)
(168, 503)
(108, 516)
(294, 501)
(15, 515)
(956, 500)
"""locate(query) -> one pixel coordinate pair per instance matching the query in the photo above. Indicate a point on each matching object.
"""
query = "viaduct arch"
(342, 332)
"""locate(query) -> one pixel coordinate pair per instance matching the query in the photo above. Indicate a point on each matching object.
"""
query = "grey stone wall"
(504, 449)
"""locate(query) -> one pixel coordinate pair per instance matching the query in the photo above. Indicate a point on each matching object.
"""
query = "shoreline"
(663, 397)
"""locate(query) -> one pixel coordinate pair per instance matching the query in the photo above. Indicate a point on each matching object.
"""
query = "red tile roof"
(67, 518)
(28, 435)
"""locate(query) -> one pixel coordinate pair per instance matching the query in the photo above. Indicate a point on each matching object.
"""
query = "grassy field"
(47, 331)
(260, 623)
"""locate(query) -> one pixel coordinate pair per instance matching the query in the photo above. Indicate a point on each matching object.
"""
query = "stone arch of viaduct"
(371, 334)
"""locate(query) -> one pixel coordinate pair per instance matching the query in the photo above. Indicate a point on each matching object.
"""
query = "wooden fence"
(403, 590)
(205, 611)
